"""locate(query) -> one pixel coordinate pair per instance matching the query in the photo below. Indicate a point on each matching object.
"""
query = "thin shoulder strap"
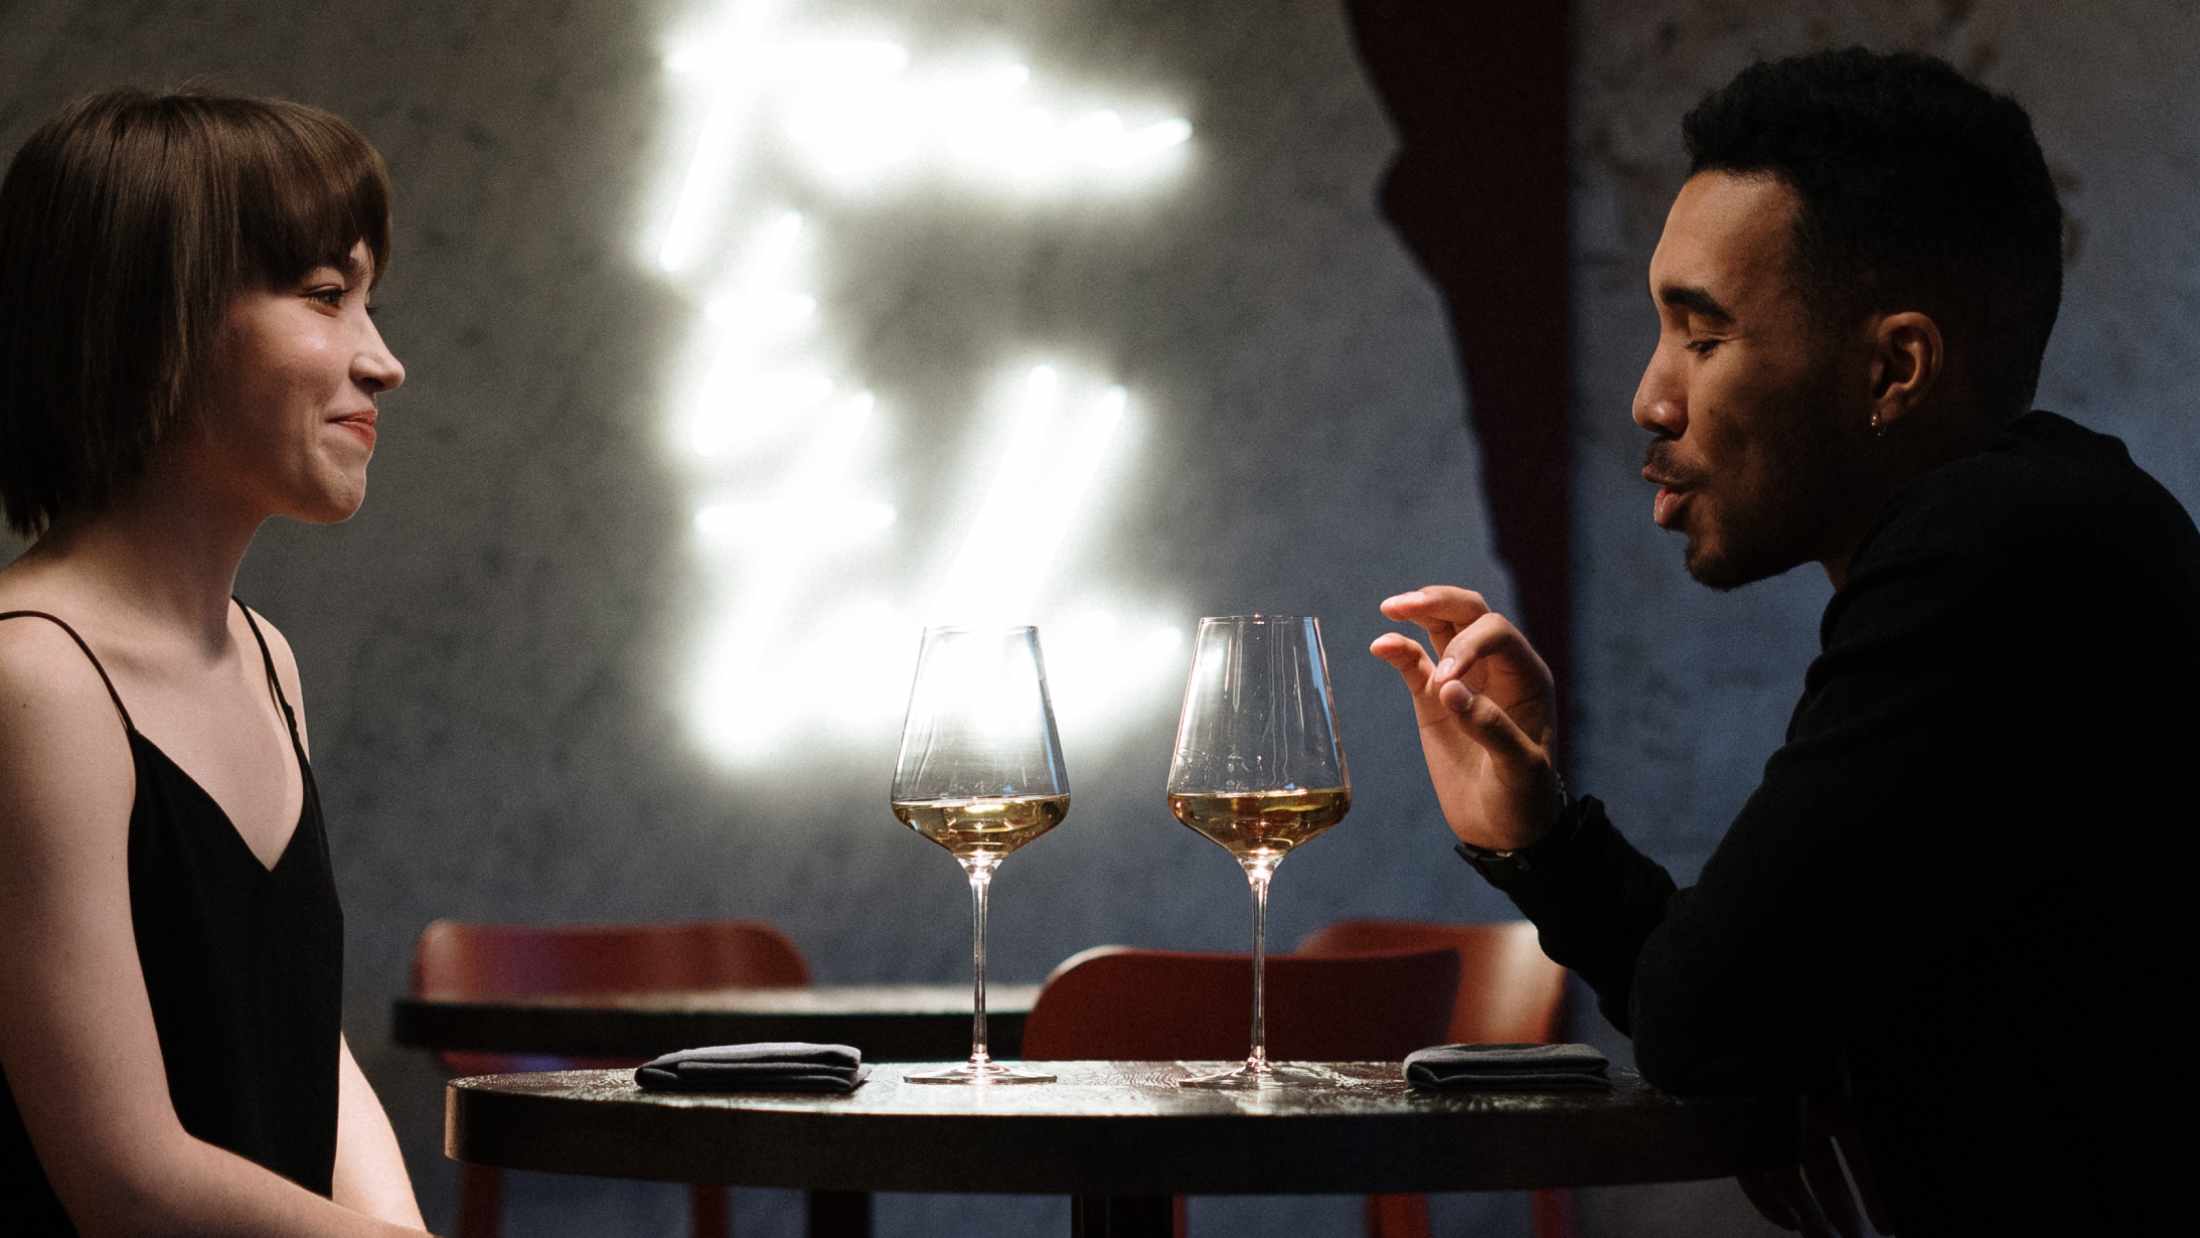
(56, 620)
(267, 659)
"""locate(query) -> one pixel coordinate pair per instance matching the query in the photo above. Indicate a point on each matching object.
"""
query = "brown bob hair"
(128, 223)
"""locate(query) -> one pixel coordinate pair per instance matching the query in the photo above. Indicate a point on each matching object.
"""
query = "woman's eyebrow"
(350, 267)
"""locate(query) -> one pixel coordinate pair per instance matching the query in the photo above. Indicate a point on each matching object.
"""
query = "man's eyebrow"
(1696, 301)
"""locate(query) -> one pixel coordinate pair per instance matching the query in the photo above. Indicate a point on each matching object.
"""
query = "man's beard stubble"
(1783, 523)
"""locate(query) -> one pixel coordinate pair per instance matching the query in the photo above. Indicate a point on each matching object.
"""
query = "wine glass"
(980, 773)
(1258, 770)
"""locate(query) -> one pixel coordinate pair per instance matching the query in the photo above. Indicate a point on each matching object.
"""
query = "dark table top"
(1115, 1129)
(889, 1022)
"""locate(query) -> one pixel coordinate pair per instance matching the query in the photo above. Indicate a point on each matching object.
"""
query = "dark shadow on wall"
(1477, 93)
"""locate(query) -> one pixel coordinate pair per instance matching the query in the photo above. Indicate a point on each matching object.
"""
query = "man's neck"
(1905, 460)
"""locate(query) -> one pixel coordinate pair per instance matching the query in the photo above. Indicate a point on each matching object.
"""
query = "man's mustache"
(1657, 461)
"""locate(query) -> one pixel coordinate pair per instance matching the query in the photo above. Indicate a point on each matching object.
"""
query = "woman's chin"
(333, 507)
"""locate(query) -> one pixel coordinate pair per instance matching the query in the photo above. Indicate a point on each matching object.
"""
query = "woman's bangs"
(318, 189)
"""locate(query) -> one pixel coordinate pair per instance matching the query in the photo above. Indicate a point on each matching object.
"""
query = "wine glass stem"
(1258, 876)
(981, 883)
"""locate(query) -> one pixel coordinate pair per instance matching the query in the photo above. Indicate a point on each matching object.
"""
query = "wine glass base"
(980, 1072)
(1245, 1077)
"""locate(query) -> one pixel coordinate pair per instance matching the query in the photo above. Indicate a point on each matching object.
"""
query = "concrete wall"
(499, 652)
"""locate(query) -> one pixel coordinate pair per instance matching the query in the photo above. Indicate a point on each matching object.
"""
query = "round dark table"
(1114, 1135)
(889, 1022)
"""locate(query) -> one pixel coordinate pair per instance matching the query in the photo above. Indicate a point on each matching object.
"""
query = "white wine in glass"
(1258, 771)
(980, 773)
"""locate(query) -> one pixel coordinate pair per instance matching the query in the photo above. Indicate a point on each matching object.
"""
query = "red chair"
(1509, 992)
(454, 959)
(1116, 1003)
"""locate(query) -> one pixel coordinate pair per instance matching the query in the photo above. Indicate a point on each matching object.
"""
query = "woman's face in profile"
(289, 414)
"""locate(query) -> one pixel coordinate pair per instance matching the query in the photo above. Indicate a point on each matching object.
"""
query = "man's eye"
(1702, 348)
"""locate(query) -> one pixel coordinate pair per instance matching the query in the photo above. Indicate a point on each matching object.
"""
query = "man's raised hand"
(1487, 711)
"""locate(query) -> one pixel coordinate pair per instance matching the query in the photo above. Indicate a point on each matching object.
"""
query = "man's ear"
(1908, 359)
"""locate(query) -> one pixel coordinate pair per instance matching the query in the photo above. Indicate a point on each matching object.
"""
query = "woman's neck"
(158, 558)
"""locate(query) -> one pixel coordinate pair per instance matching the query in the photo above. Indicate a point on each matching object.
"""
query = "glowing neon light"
(783, 439)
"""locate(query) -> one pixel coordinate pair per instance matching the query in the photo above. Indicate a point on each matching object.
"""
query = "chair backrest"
(1117, 1003)
(460, 959)
(1509, 991)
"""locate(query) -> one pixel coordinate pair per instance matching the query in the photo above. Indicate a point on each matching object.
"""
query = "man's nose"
(1661, 404)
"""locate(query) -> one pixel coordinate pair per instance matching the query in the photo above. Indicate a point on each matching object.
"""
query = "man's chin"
(1714, 568)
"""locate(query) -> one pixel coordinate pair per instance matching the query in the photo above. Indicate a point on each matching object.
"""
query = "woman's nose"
(376, 367)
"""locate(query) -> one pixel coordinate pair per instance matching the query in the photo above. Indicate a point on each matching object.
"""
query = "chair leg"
(1123, 1216)
(839, 1214)
(1551, 1214)
(710, 1210)
(1397, 1216)
(480, 1201)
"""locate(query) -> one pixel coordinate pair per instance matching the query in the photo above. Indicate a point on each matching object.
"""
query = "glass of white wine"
(980, 773)
(1258, 771)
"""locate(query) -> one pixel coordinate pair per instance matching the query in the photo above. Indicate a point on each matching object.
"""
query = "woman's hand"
(1487, 710)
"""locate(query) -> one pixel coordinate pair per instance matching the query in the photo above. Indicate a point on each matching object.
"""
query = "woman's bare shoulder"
(278, 645)
(64, 752)
(39, 654)
(286, 662)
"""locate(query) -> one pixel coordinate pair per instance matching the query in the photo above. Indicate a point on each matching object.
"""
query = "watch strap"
(1501, 867)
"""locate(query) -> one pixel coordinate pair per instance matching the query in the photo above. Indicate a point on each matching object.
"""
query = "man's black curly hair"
(1920, 190)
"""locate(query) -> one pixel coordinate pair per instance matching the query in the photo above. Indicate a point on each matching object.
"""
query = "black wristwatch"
(1500, 867)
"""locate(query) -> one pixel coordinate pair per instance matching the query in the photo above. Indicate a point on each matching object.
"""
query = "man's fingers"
(1492, 639)
(1440, 610)
(1489, 724)
(1460, 606)
(1483, 720)
(1406, 656)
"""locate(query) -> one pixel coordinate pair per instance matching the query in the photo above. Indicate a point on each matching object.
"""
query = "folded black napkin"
(782, 1066)
(1522, 1068)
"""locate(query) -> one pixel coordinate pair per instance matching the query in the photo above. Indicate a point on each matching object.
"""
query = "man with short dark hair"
(1955, 874)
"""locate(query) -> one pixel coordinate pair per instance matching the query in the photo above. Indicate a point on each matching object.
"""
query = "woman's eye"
(331, 297)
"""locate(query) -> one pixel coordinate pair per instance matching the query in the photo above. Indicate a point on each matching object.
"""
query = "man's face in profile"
(1745, 393)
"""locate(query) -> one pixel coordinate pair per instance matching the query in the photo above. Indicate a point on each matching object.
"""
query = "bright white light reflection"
(1042, 485)
(781, 433)
(1088, 654)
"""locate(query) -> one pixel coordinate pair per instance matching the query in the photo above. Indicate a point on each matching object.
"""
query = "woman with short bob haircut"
(185, 350)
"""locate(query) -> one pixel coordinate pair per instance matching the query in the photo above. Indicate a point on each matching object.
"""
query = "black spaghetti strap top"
(243, 966)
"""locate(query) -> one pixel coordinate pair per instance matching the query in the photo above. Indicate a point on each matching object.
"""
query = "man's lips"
(1666, 506)
(360, 423)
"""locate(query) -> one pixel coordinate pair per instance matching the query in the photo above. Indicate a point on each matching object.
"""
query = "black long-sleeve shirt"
(1951, 899)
